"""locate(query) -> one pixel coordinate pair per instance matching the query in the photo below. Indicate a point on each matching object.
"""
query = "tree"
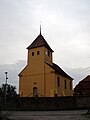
(8, 90)
(7, 95)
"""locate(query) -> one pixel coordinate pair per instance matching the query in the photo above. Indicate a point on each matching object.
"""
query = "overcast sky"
(65, 26)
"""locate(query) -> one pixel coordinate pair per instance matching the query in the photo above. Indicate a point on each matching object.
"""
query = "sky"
(65, 25)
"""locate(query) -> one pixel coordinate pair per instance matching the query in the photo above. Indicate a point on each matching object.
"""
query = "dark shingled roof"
(39, 42)
(59, 71)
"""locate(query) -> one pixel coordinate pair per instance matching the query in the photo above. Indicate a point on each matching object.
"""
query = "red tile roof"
(83, 87)
(86, 79)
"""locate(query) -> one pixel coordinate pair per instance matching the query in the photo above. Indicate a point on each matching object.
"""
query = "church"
(41, 77)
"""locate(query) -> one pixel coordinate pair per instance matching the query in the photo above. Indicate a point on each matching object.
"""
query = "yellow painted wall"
(62, 91)
(38, 74)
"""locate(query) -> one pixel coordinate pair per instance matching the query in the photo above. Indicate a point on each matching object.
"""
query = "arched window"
(38, 52)
(35, 92)
(32, 53)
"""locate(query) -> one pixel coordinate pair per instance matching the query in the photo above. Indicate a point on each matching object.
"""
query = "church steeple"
(40, 28)
(39, 42)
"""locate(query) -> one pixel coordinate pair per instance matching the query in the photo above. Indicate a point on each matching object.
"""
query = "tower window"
(70, 85)
(48, 53)
(38, 52)
(32, 53)
(58, 81)
(65, 84)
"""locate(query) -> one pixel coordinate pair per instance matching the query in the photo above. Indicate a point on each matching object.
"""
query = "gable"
(24, 71)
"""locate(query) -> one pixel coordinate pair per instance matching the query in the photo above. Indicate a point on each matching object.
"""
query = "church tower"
(39, 49)
(41, 77)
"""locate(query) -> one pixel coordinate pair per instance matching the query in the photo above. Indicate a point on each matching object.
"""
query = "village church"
(41, 77)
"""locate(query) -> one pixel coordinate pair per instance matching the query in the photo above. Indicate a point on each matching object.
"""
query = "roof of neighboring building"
(86, 79)
(83, 85)
(59, 71)
(39, 42)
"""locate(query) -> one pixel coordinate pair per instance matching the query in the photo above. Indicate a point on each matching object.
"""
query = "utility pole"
(6, 87)
(6, 78)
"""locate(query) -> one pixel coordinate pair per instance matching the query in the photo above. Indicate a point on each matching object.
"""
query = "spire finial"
(40, 28)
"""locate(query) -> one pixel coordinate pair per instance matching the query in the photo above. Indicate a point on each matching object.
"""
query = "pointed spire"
(40, 28)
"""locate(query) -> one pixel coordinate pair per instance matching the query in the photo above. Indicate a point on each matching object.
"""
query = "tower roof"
(39, 42)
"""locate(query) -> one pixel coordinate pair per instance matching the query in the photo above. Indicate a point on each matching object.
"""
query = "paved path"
(49, 115)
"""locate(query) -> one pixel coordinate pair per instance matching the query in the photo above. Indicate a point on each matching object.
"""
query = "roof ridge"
(59, 70)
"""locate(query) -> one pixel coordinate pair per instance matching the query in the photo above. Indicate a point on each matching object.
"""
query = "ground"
(49, 115)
